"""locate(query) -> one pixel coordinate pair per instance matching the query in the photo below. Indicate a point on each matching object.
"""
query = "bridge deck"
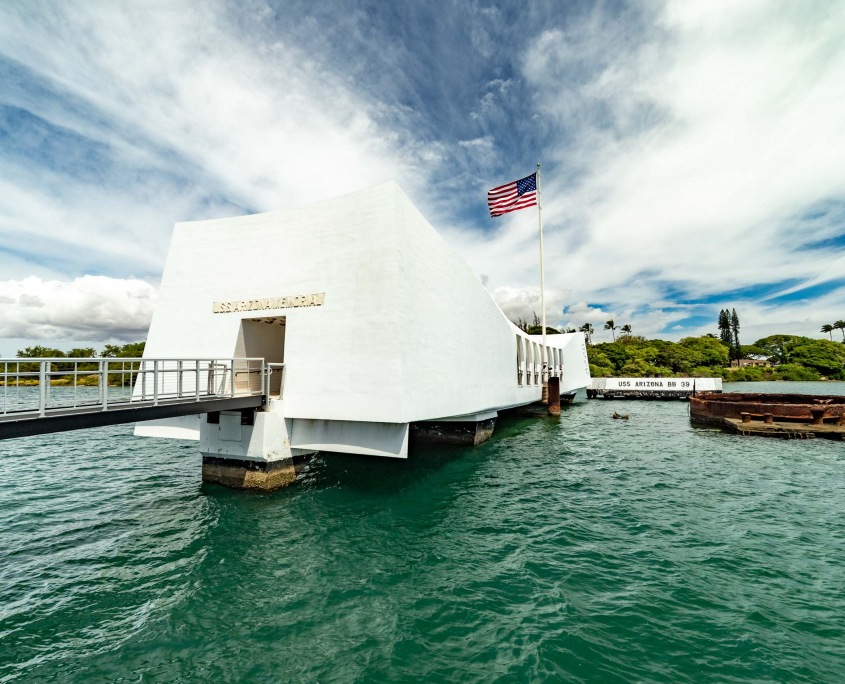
(29, 423)
(38, 396)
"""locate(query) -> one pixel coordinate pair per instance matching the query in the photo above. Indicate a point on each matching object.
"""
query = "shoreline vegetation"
(777, 357)
(116, 378)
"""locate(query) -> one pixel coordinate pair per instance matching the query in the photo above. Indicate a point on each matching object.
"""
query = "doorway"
(262, 338)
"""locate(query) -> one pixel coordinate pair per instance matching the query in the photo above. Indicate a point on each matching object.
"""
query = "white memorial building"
(385, 334)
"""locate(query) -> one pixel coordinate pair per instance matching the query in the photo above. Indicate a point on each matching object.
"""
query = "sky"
(692, 151)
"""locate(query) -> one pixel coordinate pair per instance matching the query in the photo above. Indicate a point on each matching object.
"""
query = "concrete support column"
(554, 396)
(247, 449)
(240, 474)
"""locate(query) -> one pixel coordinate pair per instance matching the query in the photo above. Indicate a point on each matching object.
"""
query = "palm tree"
(588, 330)
(610, 325)
(828, 328)
(626, 329)
(840, 325)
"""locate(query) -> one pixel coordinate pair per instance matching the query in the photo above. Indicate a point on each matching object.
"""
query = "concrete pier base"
(463, 432)
(263, 475)
(249, 449)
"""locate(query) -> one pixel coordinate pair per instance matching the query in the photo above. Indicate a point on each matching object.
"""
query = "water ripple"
(579, 550)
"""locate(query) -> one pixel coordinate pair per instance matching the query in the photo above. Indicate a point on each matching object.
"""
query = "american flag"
(512, 196)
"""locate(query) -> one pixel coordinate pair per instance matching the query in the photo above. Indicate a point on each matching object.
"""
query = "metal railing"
(274, 378)
(37, 387)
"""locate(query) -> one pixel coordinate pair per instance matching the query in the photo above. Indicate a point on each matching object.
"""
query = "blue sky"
(692, 150)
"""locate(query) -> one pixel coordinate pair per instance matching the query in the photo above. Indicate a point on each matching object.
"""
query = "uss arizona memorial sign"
(265, 303)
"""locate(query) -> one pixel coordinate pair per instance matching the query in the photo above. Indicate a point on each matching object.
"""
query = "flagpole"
(542, 276)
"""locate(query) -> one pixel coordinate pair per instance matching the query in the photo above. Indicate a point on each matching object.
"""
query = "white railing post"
(155, 382)
(42, 388)
(104, 380)
(265, 380)
(197, 381)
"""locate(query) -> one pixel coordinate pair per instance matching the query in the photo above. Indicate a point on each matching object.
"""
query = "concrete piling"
(554, 396)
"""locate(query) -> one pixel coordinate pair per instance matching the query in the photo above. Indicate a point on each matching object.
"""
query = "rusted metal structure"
(788, 416)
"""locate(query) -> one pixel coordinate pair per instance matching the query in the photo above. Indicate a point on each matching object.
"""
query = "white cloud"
(697, 145)
(170, 86)
(682, 143)
(524, 303)
(87, 308)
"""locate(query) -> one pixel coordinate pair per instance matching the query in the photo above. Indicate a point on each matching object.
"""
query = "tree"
(612, 351)
(538, 330)
(627, 329)
(778, 347)
(610, 325)
(640, 368)
(840, 325)
(750, 351)
(828, 328)
(40, 352)
(131, 350)
(735, 335)
(588, 330)
(693, 352)
(82, 353)
(600, 365)
(794, 371)
(725, 327)
(824, 356)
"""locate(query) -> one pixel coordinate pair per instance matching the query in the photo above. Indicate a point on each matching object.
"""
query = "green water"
(578, 550)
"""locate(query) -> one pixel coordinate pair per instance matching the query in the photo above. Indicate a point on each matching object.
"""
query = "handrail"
(272, 371)
(37, 386)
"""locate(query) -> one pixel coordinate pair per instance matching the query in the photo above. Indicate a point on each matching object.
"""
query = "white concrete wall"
(407, 331)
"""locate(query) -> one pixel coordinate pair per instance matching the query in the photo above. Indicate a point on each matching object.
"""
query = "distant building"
(744, 363)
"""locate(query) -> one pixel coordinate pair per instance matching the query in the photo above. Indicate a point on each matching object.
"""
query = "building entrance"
(262, 338)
